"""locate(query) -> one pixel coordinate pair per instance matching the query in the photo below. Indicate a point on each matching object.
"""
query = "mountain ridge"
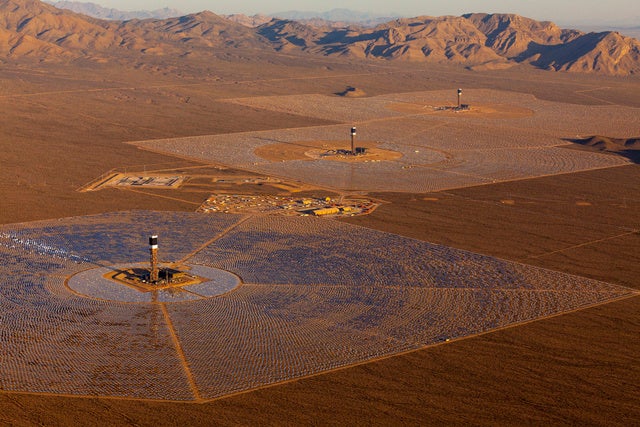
(32, 29)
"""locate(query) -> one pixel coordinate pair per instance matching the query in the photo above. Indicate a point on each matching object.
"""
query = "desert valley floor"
(496, 283)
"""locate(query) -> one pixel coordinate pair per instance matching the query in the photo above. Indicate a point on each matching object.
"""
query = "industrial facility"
(154, 277)
(288, 205)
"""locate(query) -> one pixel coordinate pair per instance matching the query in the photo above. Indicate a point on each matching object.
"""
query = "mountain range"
(36, 30)
(96, 11)
(335, 17)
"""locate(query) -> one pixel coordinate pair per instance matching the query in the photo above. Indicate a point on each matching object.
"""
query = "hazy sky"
(593, 11)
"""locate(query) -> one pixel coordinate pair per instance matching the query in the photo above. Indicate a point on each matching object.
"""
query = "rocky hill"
(29, 28)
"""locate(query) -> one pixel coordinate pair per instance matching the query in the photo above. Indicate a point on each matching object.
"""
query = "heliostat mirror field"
(314, 295)
(505, 136)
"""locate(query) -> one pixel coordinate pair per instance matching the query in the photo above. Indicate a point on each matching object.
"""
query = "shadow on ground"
(629, 148)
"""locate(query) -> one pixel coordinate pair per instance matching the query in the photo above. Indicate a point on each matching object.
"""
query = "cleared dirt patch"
(324, 150)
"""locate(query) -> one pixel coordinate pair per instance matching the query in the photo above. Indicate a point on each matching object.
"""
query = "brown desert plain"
(65, 124)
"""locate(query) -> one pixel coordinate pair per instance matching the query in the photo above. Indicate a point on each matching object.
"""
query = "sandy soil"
(322, 150)
(63, 127)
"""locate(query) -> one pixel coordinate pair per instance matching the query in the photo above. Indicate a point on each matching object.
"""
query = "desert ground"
(64, 127)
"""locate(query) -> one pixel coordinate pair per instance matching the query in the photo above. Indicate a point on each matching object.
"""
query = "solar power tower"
(353, 135)
(154, 273)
